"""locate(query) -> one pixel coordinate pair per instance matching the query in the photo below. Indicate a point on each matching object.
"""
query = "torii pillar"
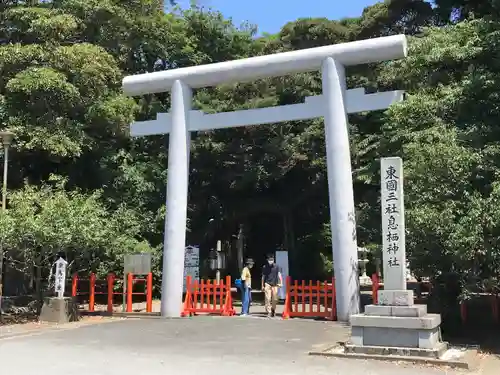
(331, 60)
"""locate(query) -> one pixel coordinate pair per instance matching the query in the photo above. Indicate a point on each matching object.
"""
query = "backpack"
(238, 283)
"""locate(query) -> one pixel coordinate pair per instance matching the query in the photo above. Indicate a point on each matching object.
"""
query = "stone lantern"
(364, 279)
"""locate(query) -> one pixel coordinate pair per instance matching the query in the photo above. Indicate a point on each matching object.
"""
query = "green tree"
(43, 223)
(459, 10)
(61, 66)
(446, 133)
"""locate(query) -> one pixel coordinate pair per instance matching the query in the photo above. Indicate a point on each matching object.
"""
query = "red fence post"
(208, 294)
(318, 296)
(286, 310)
(202, 294)
(111, 291)
(74, 285)
(311, 295)
(303, 295)
(130, 280)
(375, 286)
(229, 298)
(91, 292)
(195, 291)
(221, 290)
(295, 297)
(334, 300)
(187, 306)
(149, 293)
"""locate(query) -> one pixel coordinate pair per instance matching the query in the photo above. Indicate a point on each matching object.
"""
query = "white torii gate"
(334, 105)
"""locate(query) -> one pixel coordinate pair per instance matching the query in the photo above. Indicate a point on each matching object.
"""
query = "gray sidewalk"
(207, 345)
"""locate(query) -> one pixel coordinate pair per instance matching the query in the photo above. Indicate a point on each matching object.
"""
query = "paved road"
(197, 346)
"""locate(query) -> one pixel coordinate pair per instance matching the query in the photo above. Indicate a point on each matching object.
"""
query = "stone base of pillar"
(59, 310)
(396, 327)
(435, 353)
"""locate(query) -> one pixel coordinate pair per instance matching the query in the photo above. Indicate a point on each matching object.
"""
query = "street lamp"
(7, 137)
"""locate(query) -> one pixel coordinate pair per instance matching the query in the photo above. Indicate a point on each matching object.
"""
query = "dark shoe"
(273, 314)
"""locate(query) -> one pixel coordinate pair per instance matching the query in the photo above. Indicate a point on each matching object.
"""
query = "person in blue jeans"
(246, 285)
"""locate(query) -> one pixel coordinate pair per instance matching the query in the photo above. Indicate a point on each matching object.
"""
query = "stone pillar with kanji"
(393, 233)
(396, 324)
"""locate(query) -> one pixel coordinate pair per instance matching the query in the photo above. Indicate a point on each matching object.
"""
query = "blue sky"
(270, 15)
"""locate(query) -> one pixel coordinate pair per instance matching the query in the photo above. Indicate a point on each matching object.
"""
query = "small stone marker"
(60, 277)
(393, 223)
(59, 309)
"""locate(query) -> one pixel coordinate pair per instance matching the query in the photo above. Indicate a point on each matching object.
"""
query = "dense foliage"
(80, 186)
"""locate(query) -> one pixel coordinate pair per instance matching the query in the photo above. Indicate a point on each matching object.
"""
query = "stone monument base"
(396, 327)
(435, 353)
(59, 310)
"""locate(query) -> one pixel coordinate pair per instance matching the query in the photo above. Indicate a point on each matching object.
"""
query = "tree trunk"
(38, 280)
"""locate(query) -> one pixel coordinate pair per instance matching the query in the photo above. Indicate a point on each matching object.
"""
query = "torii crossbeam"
(356, 101)
(333, 105)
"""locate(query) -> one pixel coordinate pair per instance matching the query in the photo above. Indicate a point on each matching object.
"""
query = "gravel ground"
(200, 345)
